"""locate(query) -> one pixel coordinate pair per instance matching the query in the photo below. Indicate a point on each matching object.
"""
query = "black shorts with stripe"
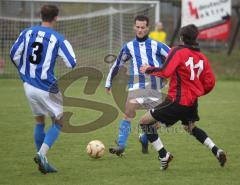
(169, 112)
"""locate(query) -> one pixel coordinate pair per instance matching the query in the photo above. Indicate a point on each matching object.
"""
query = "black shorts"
(169, 112)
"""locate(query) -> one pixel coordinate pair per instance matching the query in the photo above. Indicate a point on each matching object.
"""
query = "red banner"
(218, 32)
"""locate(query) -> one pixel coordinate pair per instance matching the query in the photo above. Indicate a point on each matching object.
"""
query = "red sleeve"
(168, 68)
(208, 78)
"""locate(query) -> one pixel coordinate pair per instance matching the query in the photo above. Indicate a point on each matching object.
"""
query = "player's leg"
(51, 136)
(38, 111)
(125, 127)
(201, 135)
(53, 105)
(39, 133)
(125, 123)
(149, 127)
(39, 137)
(150, 98)
(41, 104)
(164, 113)
(203, 138)
(45, 103)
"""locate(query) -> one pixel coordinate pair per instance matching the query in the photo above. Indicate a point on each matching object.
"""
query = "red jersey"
(190, 74)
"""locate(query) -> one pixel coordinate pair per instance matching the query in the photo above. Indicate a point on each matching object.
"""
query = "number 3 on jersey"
(35, 58)
(193, 66)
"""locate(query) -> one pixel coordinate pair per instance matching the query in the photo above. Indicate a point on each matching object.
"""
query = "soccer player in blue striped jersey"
(139, 51)
(34, 54)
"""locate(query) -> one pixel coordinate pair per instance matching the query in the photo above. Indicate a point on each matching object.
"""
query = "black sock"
(150, 131)
(162, 153)
(152, 135)
(214, 150)
(199, 134)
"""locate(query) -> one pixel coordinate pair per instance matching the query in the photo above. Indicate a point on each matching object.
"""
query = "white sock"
(209, 143)
(158, 145)
(44, 149)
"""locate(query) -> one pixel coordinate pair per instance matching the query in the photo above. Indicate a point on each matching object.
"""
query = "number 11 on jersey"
(193, 66)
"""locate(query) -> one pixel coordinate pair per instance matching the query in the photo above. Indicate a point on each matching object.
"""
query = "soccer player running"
(141, 50)
(34, 54)
(190, 77)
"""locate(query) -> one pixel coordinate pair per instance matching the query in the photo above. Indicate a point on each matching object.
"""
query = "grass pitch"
(193, 163)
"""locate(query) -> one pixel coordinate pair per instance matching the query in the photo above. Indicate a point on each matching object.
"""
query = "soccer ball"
(95, 149)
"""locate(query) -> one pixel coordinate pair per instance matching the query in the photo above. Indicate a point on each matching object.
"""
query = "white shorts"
(43, 102)
(148, 98)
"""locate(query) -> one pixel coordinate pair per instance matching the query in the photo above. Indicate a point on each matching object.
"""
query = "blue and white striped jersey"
(34, 54)
(148, 52)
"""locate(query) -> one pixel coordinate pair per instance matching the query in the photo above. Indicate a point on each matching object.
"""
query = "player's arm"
(168, 67)
(207, 78)
(123, 57)
(17, 49)
(66, 52)
(163, 50)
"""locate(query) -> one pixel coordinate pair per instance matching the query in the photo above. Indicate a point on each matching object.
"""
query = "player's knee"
(58, 121)
(127, 117)
(143, 121)
(189, 128)
(186, 128)
(40, 119)
(130, 114)
(147, 119)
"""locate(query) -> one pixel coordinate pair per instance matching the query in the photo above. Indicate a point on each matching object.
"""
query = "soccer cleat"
(144, 146)
(222, 158)
(164, 161)
(43, 165)
(117, 150)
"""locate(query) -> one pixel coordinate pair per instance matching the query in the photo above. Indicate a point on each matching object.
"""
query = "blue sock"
(124, 131)
(39, 135)
(143, 138)
(52, 134)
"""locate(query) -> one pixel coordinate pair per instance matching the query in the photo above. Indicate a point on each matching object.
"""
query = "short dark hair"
(48, 12)
(141, 18)
(189, 34)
